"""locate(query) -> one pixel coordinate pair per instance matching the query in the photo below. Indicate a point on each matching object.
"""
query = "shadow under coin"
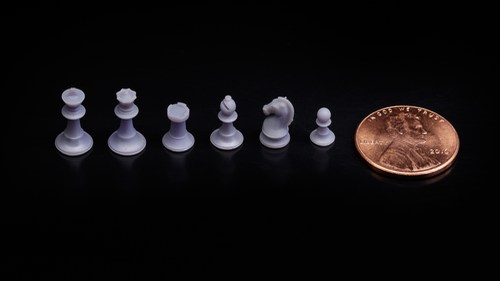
(410, 182)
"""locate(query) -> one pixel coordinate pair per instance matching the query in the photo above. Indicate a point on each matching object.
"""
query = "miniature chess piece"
(73, 141)
(126, 140)
(280, 114)
(227, 137)
(178, 139)
(322, 135)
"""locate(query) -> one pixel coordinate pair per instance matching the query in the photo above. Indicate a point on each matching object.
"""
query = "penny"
(407, 141)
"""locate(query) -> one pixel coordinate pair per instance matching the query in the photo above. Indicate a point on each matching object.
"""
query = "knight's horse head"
(279, 116)
(282, 108)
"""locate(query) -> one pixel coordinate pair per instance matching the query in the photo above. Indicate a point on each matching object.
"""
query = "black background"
(301, 208)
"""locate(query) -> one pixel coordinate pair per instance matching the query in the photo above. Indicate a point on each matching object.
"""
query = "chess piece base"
(74, 147)
(178, 144)
(274, 143)
(322, 140)
(127, 146)
(226, 142)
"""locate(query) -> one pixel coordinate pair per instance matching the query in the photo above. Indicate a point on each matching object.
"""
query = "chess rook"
(178, 139)
(323, 136)
(73, 141)
(126, 140)
(279, 114)
(227, 137)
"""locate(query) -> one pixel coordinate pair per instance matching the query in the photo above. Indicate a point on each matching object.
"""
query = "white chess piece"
(126, 140)
(280, 114)
(227, 137)
(73, 141)
(322, 135)
(178, 139)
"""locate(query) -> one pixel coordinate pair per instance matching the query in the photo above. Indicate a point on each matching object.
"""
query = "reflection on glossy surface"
(227, 155)
(277, 164)
(74, 162)
(274, 155)
(126, 174)
(176, 168)
(75, 181)
(127, 162)
(405, 182)
(226, 165)
(321, 157)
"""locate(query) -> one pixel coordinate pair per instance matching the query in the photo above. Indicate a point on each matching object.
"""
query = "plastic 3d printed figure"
(280, 114)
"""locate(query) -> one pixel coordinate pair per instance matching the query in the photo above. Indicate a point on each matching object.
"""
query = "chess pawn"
(227, 137)
(280, 114)
(126, 140)
(73, 141)
(178, 139)
(323, 136)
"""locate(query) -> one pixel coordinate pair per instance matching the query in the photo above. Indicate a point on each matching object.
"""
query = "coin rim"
(420, 174)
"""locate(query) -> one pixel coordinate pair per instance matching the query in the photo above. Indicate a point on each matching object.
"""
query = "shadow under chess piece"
(126, 140)
(76, 181)
(227, 137)
(126, 174)
(225, 166)
(73, 141)
(74, 163)
(277, 167)
(176, 168)
(178, 139)
(279, 114)
(321, 158)
(127, 162)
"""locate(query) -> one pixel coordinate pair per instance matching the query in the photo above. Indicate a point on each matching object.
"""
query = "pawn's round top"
(178, 112)
(323, 117)
(73, 97)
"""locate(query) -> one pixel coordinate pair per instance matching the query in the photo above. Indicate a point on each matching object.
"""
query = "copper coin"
(408, 141)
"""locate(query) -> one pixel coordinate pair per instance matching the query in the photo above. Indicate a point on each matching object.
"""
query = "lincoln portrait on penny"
(406, 152)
